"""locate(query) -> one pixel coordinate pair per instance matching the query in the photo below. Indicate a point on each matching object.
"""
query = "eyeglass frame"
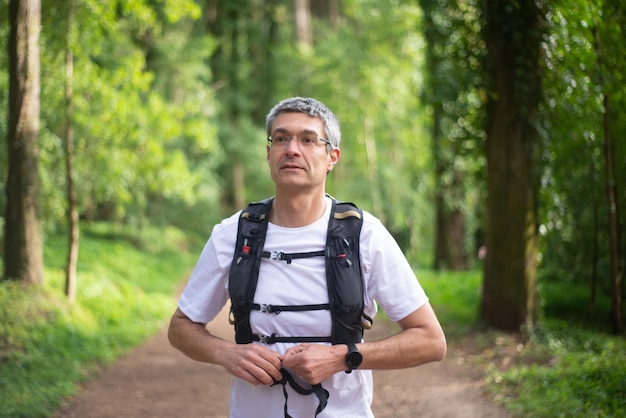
(329, 145)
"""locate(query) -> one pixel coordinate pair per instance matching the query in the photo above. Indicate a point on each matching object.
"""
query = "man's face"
(297, 156)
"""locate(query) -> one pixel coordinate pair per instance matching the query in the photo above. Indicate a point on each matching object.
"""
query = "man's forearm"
(194, 340)
(409, 348)
(421, 341)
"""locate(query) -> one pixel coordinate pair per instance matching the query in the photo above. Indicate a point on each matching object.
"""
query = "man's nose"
(293, 146)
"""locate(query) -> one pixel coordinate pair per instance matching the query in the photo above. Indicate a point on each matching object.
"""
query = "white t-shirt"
(388, 279)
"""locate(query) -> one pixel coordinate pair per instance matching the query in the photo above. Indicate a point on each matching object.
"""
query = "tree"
(615, 254)
(453, 55)
(141, 109)
(368, 69)
(244, 72)
(513, 37)
(303, 23)
(72, 204)
(23, 249)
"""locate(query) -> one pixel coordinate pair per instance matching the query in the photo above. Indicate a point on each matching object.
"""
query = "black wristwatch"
(353, 358)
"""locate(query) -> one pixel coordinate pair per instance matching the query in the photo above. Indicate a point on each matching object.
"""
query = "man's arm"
(420, 341)
(251, 362)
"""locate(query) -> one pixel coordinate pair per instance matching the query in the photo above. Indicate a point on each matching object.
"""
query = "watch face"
(354, 359)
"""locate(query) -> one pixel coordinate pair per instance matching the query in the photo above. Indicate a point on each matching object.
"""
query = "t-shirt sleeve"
(206, 291)
(388, 276)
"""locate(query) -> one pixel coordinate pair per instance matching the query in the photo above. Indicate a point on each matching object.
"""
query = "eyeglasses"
(308, 141)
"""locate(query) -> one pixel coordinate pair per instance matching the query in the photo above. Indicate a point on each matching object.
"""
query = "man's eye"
(281, 139)
(308, 140)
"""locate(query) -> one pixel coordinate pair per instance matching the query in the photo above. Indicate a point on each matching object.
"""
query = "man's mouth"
(290, 166)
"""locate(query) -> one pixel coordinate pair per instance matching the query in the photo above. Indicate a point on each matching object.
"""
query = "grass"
(568, 367)
(125, 292)
(565, 371)
(127, 280)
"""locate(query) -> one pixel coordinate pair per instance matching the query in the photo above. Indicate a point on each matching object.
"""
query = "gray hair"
(311, 107)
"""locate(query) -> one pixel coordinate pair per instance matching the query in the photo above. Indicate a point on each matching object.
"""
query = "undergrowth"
(125, 292)
(568, 367)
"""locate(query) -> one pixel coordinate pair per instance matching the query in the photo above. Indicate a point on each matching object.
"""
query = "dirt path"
(157, 381)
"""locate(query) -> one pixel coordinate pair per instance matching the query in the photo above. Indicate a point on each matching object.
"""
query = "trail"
(157, 381)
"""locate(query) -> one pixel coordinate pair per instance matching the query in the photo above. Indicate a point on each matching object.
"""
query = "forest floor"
(157, 381)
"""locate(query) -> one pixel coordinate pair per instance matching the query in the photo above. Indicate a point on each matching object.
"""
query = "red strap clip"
(245, 248)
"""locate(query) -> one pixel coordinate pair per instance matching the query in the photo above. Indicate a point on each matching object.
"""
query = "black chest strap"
(278, 255)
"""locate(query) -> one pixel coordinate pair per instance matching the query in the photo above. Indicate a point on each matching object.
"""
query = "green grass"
(125, 292)
(569, 367)
(455, 298)
(565, 371)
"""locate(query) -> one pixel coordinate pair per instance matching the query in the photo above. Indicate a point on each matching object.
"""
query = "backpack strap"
(343, 271)
(244, 272)
(321, 393)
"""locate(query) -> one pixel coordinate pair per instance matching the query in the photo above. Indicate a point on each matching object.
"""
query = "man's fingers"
(261, 365)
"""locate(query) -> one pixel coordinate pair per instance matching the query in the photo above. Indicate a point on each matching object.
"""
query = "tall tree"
(72, 205)
(513, 37)
(23, 249)
(453, 48)
(615, 254)
(243, 61)
(303, 23)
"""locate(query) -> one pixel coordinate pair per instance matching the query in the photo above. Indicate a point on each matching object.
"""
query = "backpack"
(343, 276)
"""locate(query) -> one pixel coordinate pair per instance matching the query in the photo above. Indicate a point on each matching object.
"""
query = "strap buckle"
(267, 339)
(277, 255)
(267, 308)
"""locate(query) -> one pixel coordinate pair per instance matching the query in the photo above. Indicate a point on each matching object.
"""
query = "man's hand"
(253, 363)
(315, 362)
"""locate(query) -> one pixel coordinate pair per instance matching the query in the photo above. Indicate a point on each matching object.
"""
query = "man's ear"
(333, 158)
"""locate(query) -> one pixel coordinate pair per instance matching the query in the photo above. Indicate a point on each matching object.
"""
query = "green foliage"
(586, 66)
(565, 371)
(568, 299)
(126, 287)
(453, 95)
(141, 109)
(455, 298)
(374, 60)
(568, 368)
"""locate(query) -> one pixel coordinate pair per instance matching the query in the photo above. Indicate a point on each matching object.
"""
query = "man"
(303, 148)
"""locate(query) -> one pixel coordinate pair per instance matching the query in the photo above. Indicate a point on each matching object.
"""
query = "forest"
(486, 135)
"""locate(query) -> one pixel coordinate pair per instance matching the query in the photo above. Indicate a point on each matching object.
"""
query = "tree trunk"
(615, 270)
(513, 38)
(303, 22)
(23, 248)
(595, 257)
(450, 251)
(239, 184)
(72, 210)
(372, 168)
(333, 13)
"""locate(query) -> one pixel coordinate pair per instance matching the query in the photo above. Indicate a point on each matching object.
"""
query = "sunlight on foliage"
(126, 290)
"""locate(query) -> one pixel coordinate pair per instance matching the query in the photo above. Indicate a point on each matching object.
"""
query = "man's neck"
(294, 211)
